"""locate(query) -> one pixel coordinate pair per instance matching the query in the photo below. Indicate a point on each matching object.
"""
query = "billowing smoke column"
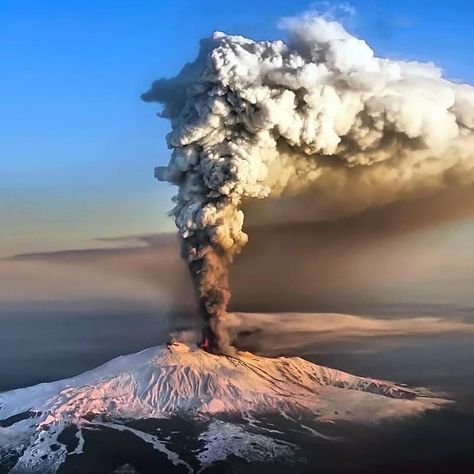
(253, 119)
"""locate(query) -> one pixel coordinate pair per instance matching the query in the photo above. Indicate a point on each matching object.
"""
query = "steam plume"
(322, 113)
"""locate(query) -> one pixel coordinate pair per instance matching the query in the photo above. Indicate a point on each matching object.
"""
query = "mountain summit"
(225, 395)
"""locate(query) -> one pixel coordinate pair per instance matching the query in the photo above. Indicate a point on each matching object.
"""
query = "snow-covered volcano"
(178, 380)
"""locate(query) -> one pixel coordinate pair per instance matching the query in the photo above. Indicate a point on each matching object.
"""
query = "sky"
(78, 146)
(77, 152)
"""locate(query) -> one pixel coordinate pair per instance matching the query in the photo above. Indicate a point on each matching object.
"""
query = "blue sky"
(78, 147)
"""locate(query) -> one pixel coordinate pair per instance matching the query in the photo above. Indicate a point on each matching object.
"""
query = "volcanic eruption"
(318, 114)
(320, 117)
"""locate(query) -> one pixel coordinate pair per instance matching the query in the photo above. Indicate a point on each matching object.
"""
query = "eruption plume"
(320, 114)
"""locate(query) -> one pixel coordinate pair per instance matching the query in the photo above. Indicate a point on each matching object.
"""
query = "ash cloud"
(302, 332)
(319, 114)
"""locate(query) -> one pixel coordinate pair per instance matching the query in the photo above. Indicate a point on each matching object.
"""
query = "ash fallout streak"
(320, 114)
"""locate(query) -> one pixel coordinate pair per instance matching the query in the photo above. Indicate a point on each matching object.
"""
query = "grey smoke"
(319, 114)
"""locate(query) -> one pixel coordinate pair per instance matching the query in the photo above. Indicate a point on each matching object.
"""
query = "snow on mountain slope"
(177, 379)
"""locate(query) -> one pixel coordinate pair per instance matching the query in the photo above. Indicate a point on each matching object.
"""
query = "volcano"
(224, 404)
